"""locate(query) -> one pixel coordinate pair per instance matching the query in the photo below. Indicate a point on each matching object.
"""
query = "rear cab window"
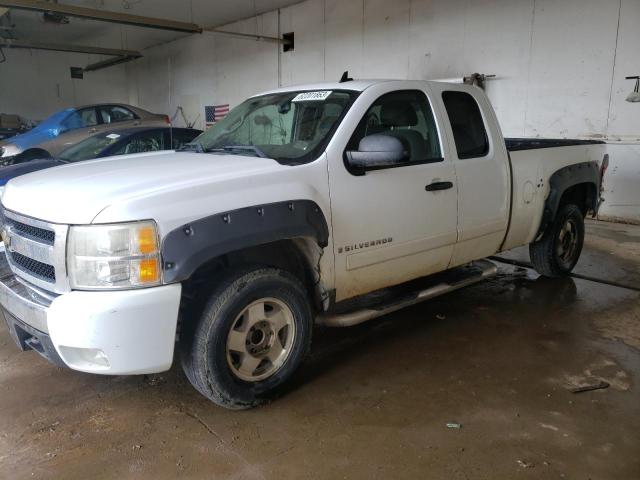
(469, 131)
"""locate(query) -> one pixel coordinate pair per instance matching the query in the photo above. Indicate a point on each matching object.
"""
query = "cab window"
(468, 128)
(406, 115)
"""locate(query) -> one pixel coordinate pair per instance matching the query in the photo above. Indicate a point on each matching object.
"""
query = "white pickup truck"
(333, 203)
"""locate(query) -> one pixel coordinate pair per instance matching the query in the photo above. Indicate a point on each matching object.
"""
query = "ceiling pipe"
(102, 15)
(251, 36)
(60, 47)
(119, 56)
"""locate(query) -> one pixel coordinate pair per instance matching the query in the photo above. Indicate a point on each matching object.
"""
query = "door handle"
(435, 186)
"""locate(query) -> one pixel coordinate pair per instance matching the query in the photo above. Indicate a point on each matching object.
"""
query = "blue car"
(116, 142)
(72, 125)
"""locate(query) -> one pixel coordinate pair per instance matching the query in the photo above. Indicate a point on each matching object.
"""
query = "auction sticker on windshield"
(312, 96)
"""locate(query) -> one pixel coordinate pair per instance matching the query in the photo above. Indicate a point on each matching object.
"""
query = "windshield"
(53, 121)
(89, 148)
(290, 127)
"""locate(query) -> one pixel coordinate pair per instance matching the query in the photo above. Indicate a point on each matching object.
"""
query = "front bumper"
(114, 333)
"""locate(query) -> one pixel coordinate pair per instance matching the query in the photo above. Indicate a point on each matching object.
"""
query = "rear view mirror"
(377, 151)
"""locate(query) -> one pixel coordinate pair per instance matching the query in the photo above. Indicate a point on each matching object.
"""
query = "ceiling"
(30, 26)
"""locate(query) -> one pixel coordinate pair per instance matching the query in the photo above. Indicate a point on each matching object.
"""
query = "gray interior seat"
(396, 118)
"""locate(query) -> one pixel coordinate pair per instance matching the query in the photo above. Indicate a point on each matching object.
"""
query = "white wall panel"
(571, 67)
(621, 193)
(306, 62)
(624, 117)
(344, 22)
(386, 39)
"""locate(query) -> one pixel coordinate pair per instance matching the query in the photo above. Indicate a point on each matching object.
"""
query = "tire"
(252, 335)
(558, 251)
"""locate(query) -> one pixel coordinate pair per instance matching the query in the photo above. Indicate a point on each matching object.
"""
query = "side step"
(431, 287)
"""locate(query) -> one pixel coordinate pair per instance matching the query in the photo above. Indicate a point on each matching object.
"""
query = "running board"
(445, 282)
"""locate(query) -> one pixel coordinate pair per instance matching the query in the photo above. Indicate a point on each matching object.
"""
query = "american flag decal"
(215, 113)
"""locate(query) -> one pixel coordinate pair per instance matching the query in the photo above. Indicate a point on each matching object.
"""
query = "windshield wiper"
(191, 147)
(239, 149)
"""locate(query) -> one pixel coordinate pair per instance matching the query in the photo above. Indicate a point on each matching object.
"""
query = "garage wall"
(560, 65)
(205, 69)
(36, 83)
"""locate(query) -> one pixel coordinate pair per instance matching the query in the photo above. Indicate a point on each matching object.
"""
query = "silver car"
(70, 126)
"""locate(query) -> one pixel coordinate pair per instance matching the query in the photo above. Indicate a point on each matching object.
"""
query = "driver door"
(389, 225)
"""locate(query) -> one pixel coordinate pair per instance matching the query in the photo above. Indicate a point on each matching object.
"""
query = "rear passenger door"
(482, 167)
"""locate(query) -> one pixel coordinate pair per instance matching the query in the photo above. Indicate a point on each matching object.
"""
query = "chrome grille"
(29, 231)
(36, 251)
(33, 267)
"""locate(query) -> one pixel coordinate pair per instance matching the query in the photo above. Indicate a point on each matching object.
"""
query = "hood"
(76, 193)
(12, 171)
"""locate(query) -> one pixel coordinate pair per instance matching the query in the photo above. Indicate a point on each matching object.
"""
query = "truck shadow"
(516, 298)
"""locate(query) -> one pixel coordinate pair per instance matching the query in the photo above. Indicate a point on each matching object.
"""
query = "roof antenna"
(345, 77)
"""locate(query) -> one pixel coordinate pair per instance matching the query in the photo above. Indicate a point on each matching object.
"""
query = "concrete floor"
(373, 401)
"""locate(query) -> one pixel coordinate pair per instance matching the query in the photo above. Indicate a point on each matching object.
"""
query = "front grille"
(33, 267)
(29, 231)
(35, 250)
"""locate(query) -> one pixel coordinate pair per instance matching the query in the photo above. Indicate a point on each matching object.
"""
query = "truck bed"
(516, 144)
(533, 161)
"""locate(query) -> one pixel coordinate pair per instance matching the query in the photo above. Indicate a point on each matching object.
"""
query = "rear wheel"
(558, 251)
(252, 335)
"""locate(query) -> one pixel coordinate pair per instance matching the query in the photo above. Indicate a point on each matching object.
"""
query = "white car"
(293, 209)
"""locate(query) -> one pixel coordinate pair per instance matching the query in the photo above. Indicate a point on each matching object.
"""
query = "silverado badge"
(362, 245)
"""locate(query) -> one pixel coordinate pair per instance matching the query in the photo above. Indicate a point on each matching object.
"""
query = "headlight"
(9, 150)
(117, 256)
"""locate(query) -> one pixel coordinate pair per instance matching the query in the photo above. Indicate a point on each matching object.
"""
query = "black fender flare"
(191, 245)
(561, 181)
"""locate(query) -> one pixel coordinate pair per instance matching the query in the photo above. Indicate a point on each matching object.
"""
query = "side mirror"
(377, 151)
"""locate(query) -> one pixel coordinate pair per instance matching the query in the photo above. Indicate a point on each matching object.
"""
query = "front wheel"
(252, 335)
(558, 251)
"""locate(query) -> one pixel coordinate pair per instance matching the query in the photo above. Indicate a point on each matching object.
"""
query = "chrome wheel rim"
(567, 243)
(260, 339)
